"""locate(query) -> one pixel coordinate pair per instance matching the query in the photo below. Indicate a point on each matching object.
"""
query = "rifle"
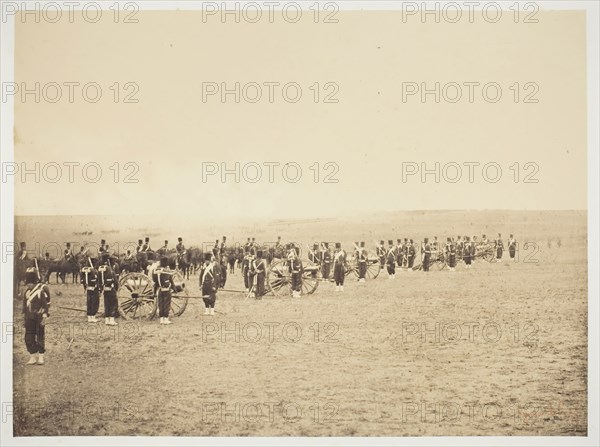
(37, 270)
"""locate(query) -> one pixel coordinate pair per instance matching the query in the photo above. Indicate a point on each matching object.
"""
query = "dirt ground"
(500, 349)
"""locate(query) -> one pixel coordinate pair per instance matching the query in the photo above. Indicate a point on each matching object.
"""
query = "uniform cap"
(68, 244)
(315, 246)
(180, 239)
(381, 242)
(362, 243)
(338, 245)
(23, 245)
(208, 256)
(102, 241)
(147, 239)
(391, 242)
(166, 242)
(140, 241)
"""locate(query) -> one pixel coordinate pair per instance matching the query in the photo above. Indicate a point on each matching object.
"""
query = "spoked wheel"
(136, 297)
(181, 295)
(373, 268)
(439, 263)
(279, 278)
(311, 275)
(351, 269)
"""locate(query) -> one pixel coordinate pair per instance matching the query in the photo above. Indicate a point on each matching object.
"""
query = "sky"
(343, 151)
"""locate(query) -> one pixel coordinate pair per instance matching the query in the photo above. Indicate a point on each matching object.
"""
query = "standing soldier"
(412, 252)
(139, 246)
(426, 251)
(91, 286)
(23, 252)
(128, 256)
(110, 285)
(209, 282)
(231, 261)
(451, 254)
(484, 239)
(36, 309)
(163, 278)
(381, 254)
(251, 273)
(391, 260)
(399, 253)
(260, 267)
(459, 248)
(223, 245)
(314, 256)
(247, 245)
(435, 248)
(339, 267)
(405, 249)
(326, 256)
(499, 248)
(467, 250)
(146, 246)
(295, 268)
(362, 262)
(512, 247)
(246, 267)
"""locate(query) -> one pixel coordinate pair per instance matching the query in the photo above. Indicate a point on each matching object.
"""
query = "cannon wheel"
(279, 278)
(179, 300)
(136, 297)
(373, 268)
(311, 275)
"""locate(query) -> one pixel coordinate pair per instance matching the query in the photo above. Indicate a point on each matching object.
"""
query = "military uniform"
(339, 267)
(405, 250)
(109, 284)
(246, 268)
(209, 283)
(146, 246)
(426, 255)
(326, 265)
(390, 260)
(260, 267)
(512, 247)
(163, 278)
(295, 268)
(499, 248)
(91, 285)
(314, 256)
(381, 254)
(451, 254)
(139, 246)
(36, 308)
(362, 258)
(412, 252)
(468, 252)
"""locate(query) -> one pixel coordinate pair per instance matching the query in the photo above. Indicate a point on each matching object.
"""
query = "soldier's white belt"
(91, 288)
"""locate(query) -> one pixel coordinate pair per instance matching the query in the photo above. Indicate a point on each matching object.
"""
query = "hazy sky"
(369, 57)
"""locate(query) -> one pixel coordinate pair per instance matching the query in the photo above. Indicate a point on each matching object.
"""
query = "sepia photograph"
(299, 223)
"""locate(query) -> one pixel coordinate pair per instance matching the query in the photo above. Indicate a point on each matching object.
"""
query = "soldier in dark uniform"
(251, 273)
(435, 248)
(391, 260)
(246, 267)
(459, 248)
(451, 254)
(209, 281)
(295, 268)
(314, 256)
(260, 267)
(91, 285)
(381, 254)
(426, 254)
(163, 278)
(180, 247)
(139, 246)
(326, 265)
(22, 255)
(399, 253)
(405, 247)
(223, 246)
(362, 262)
(68, 254)
(231, 261)
(499, 248)
(339, 267)
(162, 251)
(47, 257)
(109, 284)
(102, 247)
(36, 309)
(146, 246)
(468, 251)
(412, 253)
(512, 247)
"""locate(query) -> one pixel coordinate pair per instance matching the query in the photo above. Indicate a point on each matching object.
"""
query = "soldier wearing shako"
(162, 251)
(339, 267)
(109, 284)
(102, 248)
(139, 246)
(180, 247)
(163, 278)
(399, 253)
(146, 246)
(91, 285)
(129, 256)
(260, 267)
(381, 254)
(468, 251)
(390, 261)
(68, 253)
(435, 248)
(362, 257)
(314, 256)
(451, 254)
(459, 247)
(223, 246)
(326, 257)
(426, 250)
(22, 255)
(36, 310)
(405, 247)
(412, 253)
(499, 246)
(295, 268)
(512, 247)
(209, 283)
(246, 267)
